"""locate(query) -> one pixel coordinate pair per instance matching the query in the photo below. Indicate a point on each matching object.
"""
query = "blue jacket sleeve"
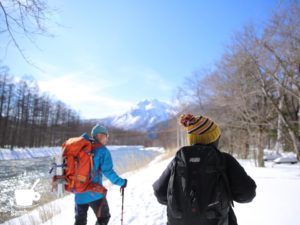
(107, 169)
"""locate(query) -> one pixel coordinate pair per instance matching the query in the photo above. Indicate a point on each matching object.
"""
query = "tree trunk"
(260, 155)
(296, 143)
(279, 146)
(298, 147)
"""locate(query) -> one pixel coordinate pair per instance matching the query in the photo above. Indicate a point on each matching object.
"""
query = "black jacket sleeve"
(243, 187)
(160, 186)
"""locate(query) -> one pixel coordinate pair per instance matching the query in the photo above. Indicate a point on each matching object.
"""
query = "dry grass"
(42, 215)
(33, 220)
(23, 221)
(48, 211)
(9, 223)
(132, 164)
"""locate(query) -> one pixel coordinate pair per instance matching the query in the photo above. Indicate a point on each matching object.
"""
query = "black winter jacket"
(242, 186)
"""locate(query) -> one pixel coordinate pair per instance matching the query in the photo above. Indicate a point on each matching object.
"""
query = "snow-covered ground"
(276, 203)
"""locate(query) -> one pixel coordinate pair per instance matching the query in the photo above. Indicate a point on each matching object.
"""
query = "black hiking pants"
(100, 208)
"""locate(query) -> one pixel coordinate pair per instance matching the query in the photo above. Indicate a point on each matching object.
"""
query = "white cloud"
(84, 92)
(100, 107)
(97, 93)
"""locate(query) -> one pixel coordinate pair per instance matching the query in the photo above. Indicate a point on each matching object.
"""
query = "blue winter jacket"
(102, 162)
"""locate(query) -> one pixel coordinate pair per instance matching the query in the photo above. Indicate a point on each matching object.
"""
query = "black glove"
(124, 185)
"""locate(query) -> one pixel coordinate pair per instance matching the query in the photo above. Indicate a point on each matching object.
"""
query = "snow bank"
(27, 153)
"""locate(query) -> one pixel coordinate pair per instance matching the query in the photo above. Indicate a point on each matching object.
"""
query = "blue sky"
(106, 56)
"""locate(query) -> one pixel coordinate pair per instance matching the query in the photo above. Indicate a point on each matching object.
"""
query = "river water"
(21, 174)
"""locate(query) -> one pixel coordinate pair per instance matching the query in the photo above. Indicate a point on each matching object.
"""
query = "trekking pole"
(122, 208)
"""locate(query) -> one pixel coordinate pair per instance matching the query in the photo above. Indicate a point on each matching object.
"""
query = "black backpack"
(198, 190)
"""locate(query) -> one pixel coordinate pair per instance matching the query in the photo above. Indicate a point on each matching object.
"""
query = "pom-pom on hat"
(200, 129)
(98, 129)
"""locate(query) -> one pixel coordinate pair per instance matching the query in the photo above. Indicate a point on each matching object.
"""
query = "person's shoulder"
(179, 153)
(101, 149)
(231, 161)
(227, 155)
(184, 149)
(229, 158)
(98, 146)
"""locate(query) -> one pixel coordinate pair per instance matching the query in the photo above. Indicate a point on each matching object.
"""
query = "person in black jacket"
(199, 172)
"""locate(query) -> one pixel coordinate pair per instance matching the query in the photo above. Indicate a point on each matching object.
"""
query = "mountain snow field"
(276, 203)
(142, 117)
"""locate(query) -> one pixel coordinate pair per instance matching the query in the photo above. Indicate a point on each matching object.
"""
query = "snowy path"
(276, 203)
(140, 205)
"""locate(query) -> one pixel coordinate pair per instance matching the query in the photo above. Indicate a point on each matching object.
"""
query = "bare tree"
(282, 41)
(277, 58)
(255, 88)
(22, 18)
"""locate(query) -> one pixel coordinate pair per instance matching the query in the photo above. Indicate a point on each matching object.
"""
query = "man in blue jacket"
(97, 201)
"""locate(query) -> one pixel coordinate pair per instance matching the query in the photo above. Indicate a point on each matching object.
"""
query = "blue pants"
(100, 208)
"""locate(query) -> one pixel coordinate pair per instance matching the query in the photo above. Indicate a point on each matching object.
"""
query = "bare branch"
(23, 18)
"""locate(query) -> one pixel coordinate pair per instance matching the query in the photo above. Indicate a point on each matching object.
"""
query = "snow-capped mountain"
(141, 117)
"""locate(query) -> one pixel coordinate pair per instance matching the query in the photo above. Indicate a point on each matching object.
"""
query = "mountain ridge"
(141, 117)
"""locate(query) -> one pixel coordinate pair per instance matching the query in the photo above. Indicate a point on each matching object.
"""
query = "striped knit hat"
(201, 129)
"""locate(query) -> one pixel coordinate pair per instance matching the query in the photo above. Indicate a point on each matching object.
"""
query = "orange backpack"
(78, 171)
